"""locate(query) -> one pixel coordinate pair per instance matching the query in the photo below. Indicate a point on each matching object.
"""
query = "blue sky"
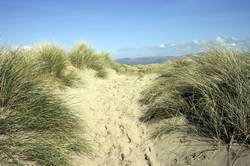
(113, 25)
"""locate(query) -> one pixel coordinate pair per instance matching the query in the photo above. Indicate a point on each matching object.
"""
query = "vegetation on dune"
(53, 62)
(211, 91)
(82, 56)
(36, 128)
(109, 62)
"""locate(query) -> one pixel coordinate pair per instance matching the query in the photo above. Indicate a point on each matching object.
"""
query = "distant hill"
(145, 60)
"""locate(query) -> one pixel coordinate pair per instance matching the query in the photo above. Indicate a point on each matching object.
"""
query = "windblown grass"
(82, 56)
(36, 128)
(212, 91)
(53, 62)
(109, 62)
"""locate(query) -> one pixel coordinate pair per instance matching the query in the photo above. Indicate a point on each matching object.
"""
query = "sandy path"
(110, 109)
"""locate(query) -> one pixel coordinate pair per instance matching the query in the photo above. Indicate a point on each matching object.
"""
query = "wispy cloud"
(176, 49)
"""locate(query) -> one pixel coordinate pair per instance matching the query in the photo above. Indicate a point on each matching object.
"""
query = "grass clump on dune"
(109, 62)
(53, 62)
(36, 128)
(211, 91)
(82, 56)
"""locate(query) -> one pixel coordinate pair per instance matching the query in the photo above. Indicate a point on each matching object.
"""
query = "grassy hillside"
(211, 91)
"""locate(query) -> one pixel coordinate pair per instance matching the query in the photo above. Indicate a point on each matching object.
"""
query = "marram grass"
(84, 57)
(212, 91)
(53, 62)
(36, 128)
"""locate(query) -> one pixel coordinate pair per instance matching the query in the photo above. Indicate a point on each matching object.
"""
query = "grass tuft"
(53, 62)
(211, 91)
(82, 57)
(36, 128)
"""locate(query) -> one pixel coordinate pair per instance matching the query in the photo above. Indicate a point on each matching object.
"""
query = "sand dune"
(110, 110)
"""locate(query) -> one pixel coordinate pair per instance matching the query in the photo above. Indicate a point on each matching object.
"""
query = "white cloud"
(220, 39)
(26, 47)
(196, 41)
(233, 44)
(175, 49)
(162, 45)
(167, 45)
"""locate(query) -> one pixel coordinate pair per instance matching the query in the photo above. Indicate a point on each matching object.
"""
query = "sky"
(115, 25)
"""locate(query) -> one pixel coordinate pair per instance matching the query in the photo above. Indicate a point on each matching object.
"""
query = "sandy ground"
(110, 110)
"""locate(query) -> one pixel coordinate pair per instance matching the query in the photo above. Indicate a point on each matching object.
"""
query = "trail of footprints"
(124, 146)
(123, 160)
(117, 136)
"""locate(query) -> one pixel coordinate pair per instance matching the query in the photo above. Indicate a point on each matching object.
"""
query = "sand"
(110, 110)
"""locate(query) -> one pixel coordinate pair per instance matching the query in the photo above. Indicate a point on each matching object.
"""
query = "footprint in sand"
(121, 139)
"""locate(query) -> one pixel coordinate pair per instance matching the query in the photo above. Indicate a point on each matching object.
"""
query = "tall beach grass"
(212, 91)
(36, 128)
(53, 62)
(83, 56)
